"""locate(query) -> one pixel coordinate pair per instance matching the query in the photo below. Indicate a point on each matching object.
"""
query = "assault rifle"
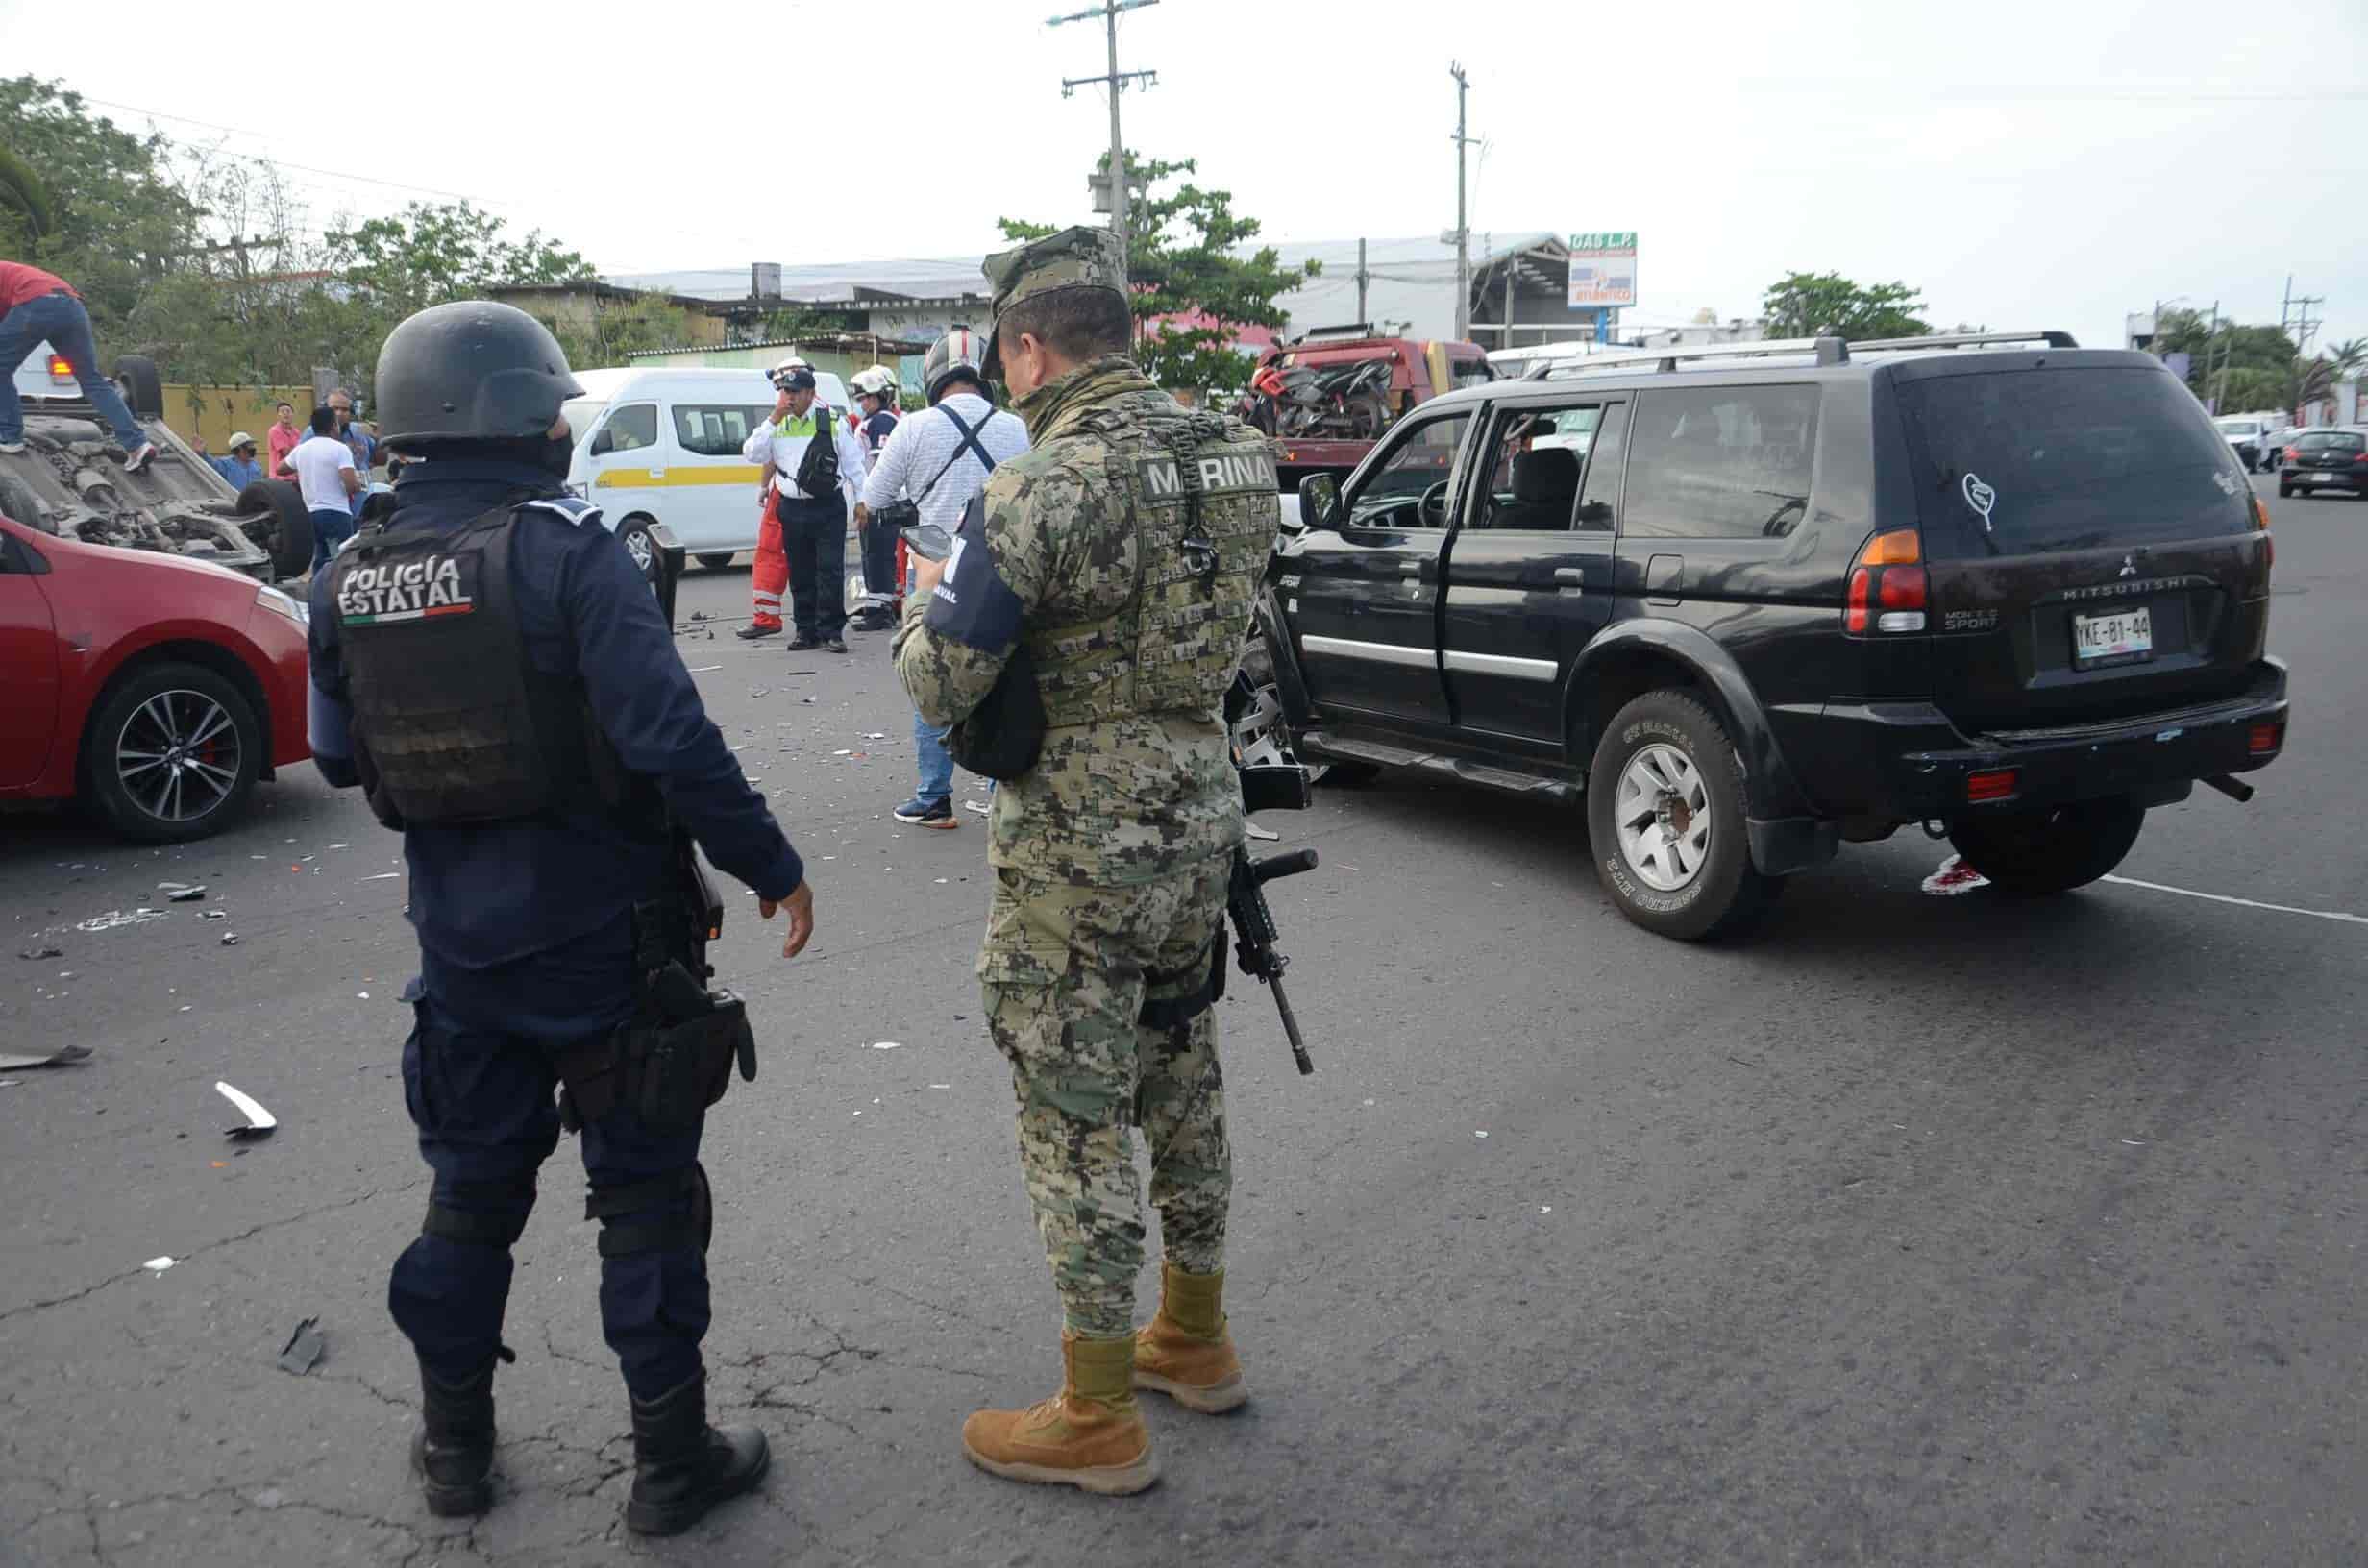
(1254, 932)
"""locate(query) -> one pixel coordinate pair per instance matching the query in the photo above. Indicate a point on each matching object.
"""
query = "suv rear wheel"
(1665, 813)
(2035, 853)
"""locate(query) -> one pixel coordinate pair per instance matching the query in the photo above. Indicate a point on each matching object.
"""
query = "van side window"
(716, 429)
(1725, 462)
(629, 430)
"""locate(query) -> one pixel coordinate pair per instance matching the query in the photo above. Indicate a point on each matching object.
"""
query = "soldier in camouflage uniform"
(1121, 553)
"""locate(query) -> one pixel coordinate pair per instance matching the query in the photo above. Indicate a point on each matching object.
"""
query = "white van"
(663, 446)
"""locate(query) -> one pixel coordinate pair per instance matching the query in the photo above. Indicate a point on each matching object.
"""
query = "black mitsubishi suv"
(1747, 602)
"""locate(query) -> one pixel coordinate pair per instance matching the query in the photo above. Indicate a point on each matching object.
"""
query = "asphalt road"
(1917, 1229)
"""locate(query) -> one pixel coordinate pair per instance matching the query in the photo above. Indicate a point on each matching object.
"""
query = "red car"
(158, 687)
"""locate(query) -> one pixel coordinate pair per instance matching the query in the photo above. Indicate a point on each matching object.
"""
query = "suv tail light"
(2265, 739)
(59, 369)
(1888, 586)
(1998, 784)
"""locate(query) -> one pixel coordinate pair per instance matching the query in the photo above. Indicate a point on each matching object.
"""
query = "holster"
(1000, 737)
(666, 1070)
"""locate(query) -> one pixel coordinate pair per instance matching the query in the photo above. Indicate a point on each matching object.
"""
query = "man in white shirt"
(324, 472)
(940, 459)
(805, 529)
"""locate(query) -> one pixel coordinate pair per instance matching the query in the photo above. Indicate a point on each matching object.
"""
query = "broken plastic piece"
(304, 1349)
(260, 1123)
(184, 895)
(887, 1044)
(157, 1266)
(59, 1058)
(1955, 876)
(229, 939)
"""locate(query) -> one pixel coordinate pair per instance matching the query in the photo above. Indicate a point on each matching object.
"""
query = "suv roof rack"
(1968, 340)
(1830, 350)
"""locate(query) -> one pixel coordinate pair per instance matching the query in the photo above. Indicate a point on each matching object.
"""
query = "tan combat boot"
(1088, 1435)
(1187, 1352)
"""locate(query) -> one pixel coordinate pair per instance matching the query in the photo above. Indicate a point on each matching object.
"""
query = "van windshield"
(581, 414)
(2021, 461)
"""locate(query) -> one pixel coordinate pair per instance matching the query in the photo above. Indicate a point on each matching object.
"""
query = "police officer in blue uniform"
(491, 667)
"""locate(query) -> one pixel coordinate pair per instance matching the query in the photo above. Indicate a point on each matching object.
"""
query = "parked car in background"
(663, 447)
(1784, 596)
(157, 689)
(2247, 436)
(2324, 463)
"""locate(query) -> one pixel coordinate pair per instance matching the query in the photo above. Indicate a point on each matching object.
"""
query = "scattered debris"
(941, 1086)
(229, 939)
(702, 669)
(1266, 835)
(115, 918)
(701, 615)
(38, 953)
(1954, 878)
(877, 735)
(382, 876)
(214, 913)
(304, 1349)
(1545, 1208)
(157, 1265)
(9, 1082)
(887, 1044)
(186, 896)
(361, 995)
(59, 1058)
(260, 1123)
(341, 846)
(1480, 1132)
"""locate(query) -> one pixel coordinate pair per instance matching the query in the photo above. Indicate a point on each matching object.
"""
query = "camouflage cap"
(1078, 258)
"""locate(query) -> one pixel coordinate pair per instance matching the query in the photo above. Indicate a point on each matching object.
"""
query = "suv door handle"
(1571, 576)
(1411, 569)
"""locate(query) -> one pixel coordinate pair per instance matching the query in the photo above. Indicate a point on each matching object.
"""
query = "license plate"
(2124, 634)
(2324, 478)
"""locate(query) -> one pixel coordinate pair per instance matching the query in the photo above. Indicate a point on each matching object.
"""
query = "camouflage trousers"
(1065, 971)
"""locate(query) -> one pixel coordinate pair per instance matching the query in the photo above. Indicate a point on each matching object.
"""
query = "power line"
(1117, 81)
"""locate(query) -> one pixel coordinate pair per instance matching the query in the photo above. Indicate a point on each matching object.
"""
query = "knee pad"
(628, 1225)
(479, 1227)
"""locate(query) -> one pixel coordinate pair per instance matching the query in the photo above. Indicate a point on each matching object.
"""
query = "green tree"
(1189, 253)
(2245, 367)
(113, 223)
(1814, 304)
(649, 321)
(434, 253)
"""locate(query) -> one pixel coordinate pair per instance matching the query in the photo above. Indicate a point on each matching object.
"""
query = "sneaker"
(981, 807)
(927, 812)
(9, 448)
(751, 631)
(834, 645)
(141, 458)
(801, 644)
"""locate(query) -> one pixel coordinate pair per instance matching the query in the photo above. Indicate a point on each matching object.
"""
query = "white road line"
(2249, 903)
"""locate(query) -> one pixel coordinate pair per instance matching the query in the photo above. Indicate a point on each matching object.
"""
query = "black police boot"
(683, 1467)
(452, 1450)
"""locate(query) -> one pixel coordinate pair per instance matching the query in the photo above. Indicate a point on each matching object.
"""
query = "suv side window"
(716, 429)
(1536, 457)
(1599, 499)
(1720, 462)
(1420, 468)
(629, 430)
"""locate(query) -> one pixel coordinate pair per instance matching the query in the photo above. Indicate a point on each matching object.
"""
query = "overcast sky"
(2022, 164)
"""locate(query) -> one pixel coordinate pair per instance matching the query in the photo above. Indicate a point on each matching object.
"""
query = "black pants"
(879, 560)
(483, 1103)
(814, 538)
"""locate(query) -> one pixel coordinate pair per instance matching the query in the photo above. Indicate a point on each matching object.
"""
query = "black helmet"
(470, 371)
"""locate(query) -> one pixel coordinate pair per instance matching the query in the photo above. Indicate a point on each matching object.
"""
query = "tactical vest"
(818, 467)
(452, 722)
(1199, 498)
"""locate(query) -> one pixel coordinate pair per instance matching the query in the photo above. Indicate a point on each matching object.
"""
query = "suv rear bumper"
(1920, 761)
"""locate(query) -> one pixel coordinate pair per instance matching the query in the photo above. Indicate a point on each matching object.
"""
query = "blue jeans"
(329, 529)
(936, 763)
(59, 321)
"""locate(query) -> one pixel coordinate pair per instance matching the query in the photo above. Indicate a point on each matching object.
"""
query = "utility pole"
(1363, 278)
(1463, 226)
(1116, 80)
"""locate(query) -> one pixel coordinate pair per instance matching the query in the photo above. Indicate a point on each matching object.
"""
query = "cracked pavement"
(1914, 1230)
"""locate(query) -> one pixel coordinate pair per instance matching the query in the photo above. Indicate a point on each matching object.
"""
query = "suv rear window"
(2070, 458)
(2330, 441)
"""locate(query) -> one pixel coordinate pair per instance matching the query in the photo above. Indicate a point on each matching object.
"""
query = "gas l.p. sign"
(1603, 269)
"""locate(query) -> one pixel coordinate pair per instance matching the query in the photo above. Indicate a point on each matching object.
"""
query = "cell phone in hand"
(928, 540)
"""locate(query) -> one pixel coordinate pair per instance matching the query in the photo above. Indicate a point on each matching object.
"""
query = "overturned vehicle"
(70, 481)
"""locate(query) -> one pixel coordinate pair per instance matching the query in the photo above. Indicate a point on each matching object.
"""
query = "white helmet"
(878, 381)
(959, 352)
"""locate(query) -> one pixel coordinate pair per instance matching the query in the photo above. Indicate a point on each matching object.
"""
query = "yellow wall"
(216, 412)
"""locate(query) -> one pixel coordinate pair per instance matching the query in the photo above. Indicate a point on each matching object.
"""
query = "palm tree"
(2340, 362)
